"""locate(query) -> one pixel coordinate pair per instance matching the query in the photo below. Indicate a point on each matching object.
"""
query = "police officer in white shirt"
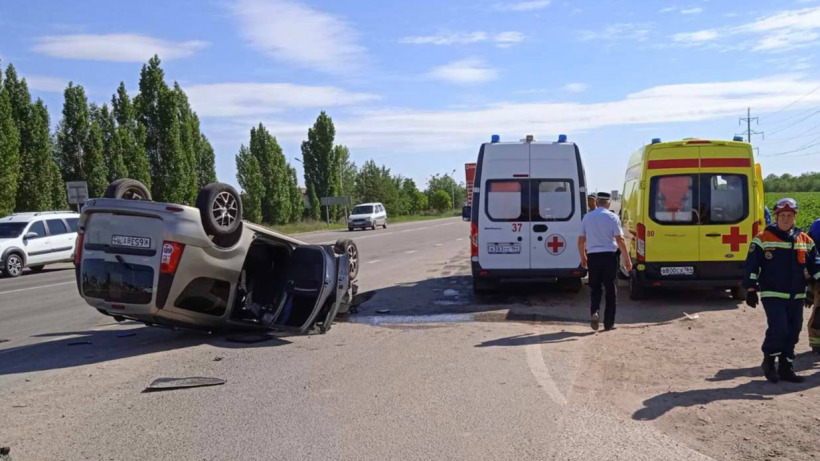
(601, 237)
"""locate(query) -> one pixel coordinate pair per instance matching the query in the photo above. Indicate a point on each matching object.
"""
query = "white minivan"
(367, 216)
(528, 201)
(35, 239)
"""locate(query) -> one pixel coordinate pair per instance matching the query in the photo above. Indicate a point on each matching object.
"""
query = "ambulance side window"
(672, 199)
(505, 200)
(726, 198)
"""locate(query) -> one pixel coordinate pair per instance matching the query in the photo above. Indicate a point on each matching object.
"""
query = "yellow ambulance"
(689, 210)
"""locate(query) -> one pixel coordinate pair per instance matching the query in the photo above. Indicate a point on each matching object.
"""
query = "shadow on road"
(759, 389)
(90, 347)
(453, 294)
(528, 339)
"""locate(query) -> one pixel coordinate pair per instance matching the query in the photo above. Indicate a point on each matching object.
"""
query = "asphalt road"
(432, 385)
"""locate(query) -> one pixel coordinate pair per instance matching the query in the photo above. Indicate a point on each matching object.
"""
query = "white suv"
(35, 239)
(367, 215)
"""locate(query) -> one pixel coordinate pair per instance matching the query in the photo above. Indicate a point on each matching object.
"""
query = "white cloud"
(620, 31)
(46, 84)
(575, 87)
(465, 71)
(296, 33)
(523, 6)
(114, 47)
(244, 99)
(783, 31)
(668, 9)
(694, 10)
(502, 39)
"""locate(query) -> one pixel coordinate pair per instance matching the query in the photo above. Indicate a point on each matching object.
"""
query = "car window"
(555, 199)
(672, 199)
(73, 223)
(363, 209)
(726, 198)
(10, 230)
(504, 200)
(56, 227)
(38, 228)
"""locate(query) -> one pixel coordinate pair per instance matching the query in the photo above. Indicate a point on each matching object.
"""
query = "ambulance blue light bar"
(495, 138)
(738, 138)
(562, 138)
(656, 140)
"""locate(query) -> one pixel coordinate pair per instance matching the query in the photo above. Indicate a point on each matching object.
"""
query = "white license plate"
(685, 270)
(130, 242)
(504, 248)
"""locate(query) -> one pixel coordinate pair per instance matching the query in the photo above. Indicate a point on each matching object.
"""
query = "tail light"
(640, 245)
(473, 239)
(171, 254)
(78, 249)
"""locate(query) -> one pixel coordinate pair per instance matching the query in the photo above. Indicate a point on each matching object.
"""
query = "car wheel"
(385, 224)
(127, 189)
(13, 266)
(349, 229)
(220, 208)
(37, 268)
(636, 291)
(373, 226)
(348, 247)
(482, 286)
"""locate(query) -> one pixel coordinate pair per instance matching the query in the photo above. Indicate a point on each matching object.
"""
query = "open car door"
(313, 286)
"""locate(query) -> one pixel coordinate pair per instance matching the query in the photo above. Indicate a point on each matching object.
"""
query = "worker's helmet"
(786, 204)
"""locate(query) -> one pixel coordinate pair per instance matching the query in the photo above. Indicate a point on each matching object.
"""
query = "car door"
(555, 211)
(503, 234)
(39, 247)
(309, 283)
(61, 240)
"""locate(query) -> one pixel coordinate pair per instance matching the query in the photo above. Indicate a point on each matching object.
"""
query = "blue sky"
(419, 85)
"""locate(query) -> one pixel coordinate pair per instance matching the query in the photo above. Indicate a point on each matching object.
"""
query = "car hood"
(361, 216)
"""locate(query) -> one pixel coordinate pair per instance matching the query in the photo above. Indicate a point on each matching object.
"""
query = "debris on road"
(5, 453)
(691, 316)
(218, 359)
(3, 340)
(168, 384)
(79, 343)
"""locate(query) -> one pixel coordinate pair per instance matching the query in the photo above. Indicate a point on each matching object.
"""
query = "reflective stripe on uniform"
(817, 276)
(800, 296)
(753, 276)
(767, 245)
(775, 294)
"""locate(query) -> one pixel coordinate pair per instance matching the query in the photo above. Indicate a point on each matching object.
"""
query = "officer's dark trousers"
(603, 269)
(785, 319)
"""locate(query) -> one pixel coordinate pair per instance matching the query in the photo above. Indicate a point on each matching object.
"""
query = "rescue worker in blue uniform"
(775, 266)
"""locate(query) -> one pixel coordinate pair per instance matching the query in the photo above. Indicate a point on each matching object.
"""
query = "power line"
(812, 143)
(796, 123)
(801, 135)
(793, 102)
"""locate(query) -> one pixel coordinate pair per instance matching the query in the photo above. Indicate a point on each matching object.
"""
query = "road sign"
(77, 192)
(330, 201)
(469, 175)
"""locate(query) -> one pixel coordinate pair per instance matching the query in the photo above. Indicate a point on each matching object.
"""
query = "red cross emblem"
(735, 238)
(556, 244)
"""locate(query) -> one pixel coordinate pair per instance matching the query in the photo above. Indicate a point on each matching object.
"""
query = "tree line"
(806, 182)
(154, 138)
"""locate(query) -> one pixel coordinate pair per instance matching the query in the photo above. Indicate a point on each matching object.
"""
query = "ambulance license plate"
(504, 248)
(685, 270)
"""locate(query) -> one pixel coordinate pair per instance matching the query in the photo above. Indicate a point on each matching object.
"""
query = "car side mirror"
(31, 235)
(466, 212)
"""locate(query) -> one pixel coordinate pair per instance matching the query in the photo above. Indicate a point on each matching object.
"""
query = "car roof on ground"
(31, 215)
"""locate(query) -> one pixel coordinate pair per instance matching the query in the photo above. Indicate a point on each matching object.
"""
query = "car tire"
(37, 268)
(482, 286)
(349, 229)
(348, 247)
(384, 226)
(373, 226)
(220, 208)
(127, 189)
(636, 291)
(13, 265)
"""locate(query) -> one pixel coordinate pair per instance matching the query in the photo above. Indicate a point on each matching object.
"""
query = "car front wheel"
(13, 266)
(348, 247)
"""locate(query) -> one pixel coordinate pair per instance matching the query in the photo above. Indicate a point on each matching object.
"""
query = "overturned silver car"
(203, 267)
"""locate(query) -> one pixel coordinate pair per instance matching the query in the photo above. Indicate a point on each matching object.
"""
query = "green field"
(807, 202)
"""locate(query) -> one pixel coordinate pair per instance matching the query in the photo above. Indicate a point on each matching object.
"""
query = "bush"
(441, 201)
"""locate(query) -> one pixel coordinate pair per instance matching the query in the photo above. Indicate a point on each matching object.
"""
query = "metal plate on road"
(128, 241)
(504, 248)
(685, 270)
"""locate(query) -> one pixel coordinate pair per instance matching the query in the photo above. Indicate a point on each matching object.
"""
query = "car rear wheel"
(13, 266)
(127, 189)
(385, 224)
(373, 226)
(37, 268)
(482, 286)
(220, 208)
(636, 291)
(348, 247)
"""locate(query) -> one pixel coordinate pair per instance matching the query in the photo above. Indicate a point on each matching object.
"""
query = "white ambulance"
(528, 201)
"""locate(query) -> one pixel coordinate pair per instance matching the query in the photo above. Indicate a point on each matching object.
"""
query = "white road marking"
(458, 240)
(535, 360)
(438, 244)
(374, 261)
(36, 288)
(410, 252)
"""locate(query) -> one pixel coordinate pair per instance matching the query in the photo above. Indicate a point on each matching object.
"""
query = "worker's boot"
(785, 371)
(769, 370)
